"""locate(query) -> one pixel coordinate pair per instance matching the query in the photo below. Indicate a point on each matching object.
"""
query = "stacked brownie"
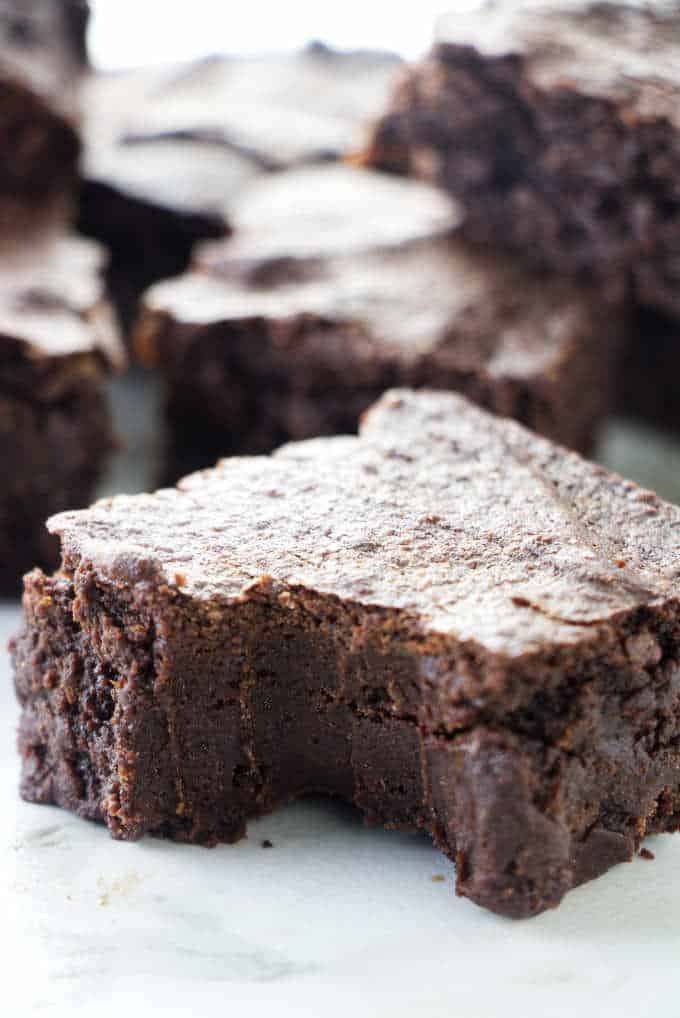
(58, 343)
(338, 283)
(168, 151)
(448, 621)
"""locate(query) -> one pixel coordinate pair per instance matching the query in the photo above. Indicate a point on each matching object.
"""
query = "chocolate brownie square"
(58, 345)
(558, 128)
(339, 283)
(167, 151)
(447, 620)
(41, 62)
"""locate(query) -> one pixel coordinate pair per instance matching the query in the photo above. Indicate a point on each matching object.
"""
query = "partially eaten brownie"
(449, 621)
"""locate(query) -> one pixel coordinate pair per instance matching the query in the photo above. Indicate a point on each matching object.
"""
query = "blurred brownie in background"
(58, 345)
(42, 47)
(168, 150)
(339, 283)
(558, 127)
(650, 385)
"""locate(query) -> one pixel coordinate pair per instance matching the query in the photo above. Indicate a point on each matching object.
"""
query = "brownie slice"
(41, 52)
(57, 347)
(447, 620)
(558, 128)
(167, 151)
(339, 283)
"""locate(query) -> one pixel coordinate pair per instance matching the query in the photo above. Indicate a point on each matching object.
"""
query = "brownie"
(558, 129)
(649, 384)
(167, 151)
(41, 61)
(448, 621)
(339, 283)
(57, 347)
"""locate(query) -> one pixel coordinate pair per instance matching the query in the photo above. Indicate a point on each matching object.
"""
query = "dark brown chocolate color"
(339, 283)
(57, 346)
(167, 152)
(447, 620)
(41, 60)
(650, 373)
(558, 129)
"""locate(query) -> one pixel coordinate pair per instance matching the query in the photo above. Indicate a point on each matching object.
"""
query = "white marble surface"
(334, 919)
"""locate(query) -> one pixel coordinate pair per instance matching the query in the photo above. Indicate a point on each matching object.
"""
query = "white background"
(126, 33)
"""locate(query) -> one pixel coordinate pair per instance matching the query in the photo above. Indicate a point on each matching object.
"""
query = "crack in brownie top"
(438, 511)
(611, 50)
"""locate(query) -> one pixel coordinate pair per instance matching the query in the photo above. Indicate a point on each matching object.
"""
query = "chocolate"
(339, 283)
(58, 345)
(449, 621)
(557, 128)
(40, 68)
(168, 151)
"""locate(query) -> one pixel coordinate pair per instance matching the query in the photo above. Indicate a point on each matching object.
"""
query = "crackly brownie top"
(192, 136)
(42, 47)
(180, 169)
(429, 297)
(465, 521)
(278, 108)
(317, 211)
(617, 50)
(52, 298)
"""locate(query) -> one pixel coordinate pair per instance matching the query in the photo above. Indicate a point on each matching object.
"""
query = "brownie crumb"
(438, 878)
(645, 853)
(267, 843)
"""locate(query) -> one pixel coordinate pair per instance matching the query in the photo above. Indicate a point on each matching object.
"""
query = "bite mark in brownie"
(339, 283)
(557, 128)
(447, 620)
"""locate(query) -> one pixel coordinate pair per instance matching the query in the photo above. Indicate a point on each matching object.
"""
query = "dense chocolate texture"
(57, 346)
(41, 54)
(651, 366)
(448, 621)
(167, 152)
(558, 129)
(339, 283)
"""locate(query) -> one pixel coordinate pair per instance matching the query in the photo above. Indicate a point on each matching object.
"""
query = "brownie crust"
(494, 660)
